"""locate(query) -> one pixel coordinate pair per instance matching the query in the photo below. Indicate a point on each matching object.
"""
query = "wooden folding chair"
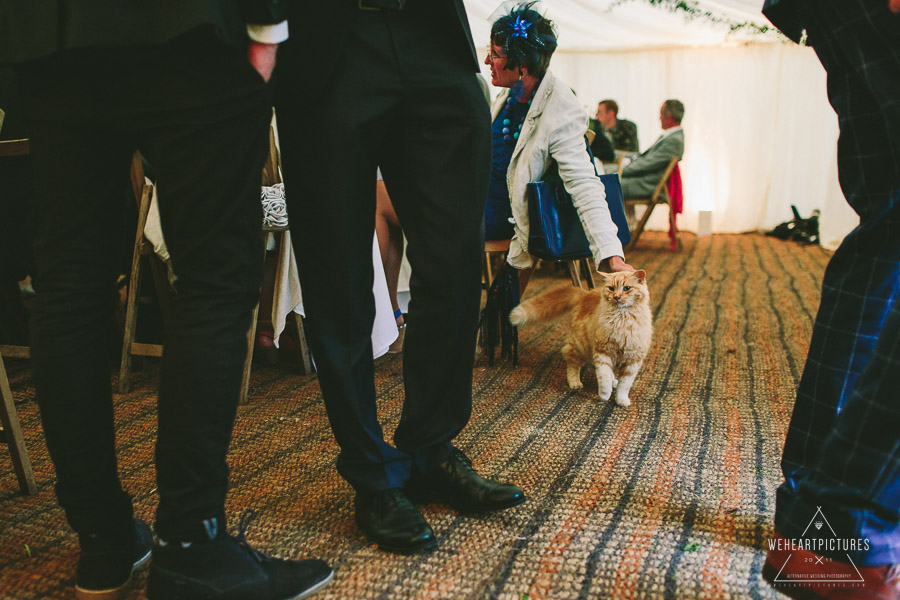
(578, 269)
(492, 247)
(272, 175)
(581, 270)
(660, 196)
(11, 433)
(143, 193)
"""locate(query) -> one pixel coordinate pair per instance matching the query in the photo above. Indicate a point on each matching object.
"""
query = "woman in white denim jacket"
(542, 121)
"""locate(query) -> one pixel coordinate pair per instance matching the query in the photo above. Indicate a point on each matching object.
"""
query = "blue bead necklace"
(510, 114)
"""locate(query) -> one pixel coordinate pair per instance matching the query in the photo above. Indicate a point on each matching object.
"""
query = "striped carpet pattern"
(669, 498)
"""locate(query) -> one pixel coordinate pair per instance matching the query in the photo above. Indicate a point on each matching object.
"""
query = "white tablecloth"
(288, 297)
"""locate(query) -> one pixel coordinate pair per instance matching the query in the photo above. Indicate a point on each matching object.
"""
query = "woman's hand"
(615, 263)
(895, 6)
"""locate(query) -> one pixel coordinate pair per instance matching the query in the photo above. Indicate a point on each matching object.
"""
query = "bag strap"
(553, 169)
(591, 155)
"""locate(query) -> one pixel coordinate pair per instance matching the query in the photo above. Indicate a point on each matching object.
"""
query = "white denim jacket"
(554, 130)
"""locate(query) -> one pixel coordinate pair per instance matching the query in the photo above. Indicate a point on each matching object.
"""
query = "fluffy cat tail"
(546, 306)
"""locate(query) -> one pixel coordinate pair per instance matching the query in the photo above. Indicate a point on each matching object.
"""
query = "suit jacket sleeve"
(657, 157)
(263, 12)
(783, 14)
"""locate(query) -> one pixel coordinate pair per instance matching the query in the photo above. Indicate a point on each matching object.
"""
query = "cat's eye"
(612, 288)
(626, 288)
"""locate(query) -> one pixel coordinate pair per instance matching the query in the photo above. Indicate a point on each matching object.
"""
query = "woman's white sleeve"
(567, 147)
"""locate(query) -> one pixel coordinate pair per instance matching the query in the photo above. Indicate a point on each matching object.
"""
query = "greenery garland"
(691, 10)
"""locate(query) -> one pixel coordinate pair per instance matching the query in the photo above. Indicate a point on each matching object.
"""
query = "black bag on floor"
(798, 229)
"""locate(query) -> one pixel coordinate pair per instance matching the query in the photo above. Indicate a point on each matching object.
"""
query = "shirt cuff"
(608, 250)
(268, 34)
(518, 256)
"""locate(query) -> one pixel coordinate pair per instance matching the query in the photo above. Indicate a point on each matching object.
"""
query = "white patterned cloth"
(274, 206)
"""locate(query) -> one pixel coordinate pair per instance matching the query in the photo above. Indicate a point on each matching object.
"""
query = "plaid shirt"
(842, 451)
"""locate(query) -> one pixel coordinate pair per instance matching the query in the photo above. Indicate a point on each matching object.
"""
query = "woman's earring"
(518, 89)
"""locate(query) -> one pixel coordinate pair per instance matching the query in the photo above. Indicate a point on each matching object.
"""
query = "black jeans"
(199, 112)
(403, 98)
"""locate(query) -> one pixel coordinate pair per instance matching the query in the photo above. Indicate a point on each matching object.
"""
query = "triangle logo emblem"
(815, 569)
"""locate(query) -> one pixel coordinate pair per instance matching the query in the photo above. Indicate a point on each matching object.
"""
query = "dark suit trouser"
(841, 454)
(399, 100)
(199, 112)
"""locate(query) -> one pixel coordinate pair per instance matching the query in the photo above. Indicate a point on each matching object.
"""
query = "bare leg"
(605, 377)
(573, 367)
(390, 242)
(626, 379)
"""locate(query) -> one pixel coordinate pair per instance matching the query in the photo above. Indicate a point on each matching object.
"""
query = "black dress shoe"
(456, 483)
(390, 519)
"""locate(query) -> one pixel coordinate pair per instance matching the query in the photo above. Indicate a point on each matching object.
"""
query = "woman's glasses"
(493, 56)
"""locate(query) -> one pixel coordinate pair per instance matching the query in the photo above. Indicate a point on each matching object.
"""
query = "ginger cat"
(611, 327)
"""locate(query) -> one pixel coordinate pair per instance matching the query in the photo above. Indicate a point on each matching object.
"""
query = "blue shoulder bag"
(555, 231)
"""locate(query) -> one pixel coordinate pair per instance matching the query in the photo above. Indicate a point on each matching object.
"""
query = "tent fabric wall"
(759, 132)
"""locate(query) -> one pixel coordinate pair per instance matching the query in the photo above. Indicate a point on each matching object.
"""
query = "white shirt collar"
(670, 131)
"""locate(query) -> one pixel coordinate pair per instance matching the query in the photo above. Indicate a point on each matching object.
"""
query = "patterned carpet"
(670, 498)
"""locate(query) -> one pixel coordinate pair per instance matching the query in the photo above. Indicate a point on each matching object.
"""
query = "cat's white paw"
(605, 394)
(623, 401)
(575, 384)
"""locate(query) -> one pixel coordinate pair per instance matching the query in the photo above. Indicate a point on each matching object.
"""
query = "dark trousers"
(841, 453)
(199, 112)
(401, 100)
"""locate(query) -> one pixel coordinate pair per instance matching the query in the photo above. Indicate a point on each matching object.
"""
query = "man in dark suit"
(841, 460)
(622, 133)
(390, 83)
(100, 80)
(641, 176)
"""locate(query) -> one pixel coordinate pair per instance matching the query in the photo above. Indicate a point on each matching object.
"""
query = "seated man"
(641, 176)
(621, 132)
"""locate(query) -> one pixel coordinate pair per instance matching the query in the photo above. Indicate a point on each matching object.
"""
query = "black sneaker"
(228, 568)
(107, 561)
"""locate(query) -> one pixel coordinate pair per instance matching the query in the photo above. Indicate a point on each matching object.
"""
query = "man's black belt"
(381, 4)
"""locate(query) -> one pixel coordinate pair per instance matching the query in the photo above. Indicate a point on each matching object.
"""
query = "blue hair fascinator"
(520, 28)
(524, 34)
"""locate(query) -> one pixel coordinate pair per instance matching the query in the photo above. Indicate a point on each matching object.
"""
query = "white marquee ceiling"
(594, 25)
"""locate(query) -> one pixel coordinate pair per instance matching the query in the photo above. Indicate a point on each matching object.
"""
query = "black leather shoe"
(390, 519)
(226, 567)
(107, 561)
(455, 482)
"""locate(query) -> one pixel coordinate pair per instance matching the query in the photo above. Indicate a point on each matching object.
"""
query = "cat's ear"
(641, 275)
(604, 275)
